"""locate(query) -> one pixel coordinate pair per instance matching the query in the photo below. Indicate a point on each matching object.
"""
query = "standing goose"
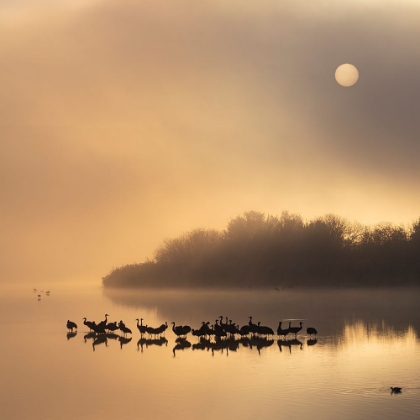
(282, 332)
(295, 330)
(141, 327)
(71, 325)
(311, 331)
(91, 325)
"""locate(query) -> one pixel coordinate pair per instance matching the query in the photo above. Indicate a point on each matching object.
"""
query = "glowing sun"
(346, 75)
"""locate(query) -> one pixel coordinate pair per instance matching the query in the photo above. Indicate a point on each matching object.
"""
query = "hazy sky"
(126, 122)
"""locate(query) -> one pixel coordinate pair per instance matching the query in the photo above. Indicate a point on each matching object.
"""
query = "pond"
(367, 341)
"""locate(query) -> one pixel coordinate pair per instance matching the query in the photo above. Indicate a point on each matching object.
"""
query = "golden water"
(367, 342)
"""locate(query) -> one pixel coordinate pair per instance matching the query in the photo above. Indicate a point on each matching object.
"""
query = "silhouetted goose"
(197, 333)
(89, 324)
(141, 327)
(103, 323)
(71, 325)
(99, 329)
(181, 330)
(263, 330)
(124, 329)
(282, 332)
(253, 328)
(396, 389)
(112, 326)
(221, 323)
(160, 330)
(295, 330)
(311, 331)
(244, 330)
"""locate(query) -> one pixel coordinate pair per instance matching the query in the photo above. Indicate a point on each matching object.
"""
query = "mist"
(125, 123)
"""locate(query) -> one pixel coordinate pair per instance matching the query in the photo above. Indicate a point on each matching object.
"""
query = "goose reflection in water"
(181, 344)
(112, 336)
(151, 342)
(289, 344)
(124, 340)
(71, 334)
(311, 341)
(99, 340)
(255, 341)
(89, 336)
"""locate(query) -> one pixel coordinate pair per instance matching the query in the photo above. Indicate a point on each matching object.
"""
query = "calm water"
(367, 342)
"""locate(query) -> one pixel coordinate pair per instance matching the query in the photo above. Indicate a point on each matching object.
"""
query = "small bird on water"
(71, 325)
(395, 389)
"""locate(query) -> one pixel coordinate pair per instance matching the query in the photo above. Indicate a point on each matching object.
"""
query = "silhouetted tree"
(261, 250)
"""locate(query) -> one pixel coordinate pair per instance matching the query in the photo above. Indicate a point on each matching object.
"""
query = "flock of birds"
(223, 332)
(218, 336)
(218, 330)
(47, 293)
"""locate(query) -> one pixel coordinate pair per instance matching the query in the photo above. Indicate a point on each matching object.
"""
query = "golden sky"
(126, 122)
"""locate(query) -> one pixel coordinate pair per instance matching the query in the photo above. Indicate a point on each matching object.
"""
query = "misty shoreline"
(265, 252)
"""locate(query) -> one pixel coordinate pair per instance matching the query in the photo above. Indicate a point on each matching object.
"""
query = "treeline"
(257, 250)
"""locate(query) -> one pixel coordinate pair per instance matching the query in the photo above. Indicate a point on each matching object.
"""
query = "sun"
(346, 75)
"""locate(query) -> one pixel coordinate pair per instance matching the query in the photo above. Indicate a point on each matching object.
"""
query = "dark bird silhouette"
(282, 332)
(161, 329)
(263, 330)
(124, 329)
(244, 330)
(295, 330)
(103, 323)
(311, 331)
(89, 324)
(252, 327)
(181, 330)
(71, 325)
(395, 390)
(112, 326)
(141, 327)
(100, 328)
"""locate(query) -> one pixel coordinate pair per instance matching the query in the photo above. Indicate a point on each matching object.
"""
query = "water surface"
(367, 342)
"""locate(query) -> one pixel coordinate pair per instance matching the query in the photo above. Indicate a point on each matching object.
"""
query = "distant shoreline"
(268, 252)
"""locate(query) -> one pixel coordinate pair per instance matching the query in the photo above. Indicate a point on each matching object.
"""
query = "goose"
(396, 389)
(311, 331)
(295, 330)
(281, 331)
(125, 330)
(263, 330)
(112, 326)
(253, 328)
(103, 323)
(71, 325)
(181, 330)
(89, 324)
(141, 327)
